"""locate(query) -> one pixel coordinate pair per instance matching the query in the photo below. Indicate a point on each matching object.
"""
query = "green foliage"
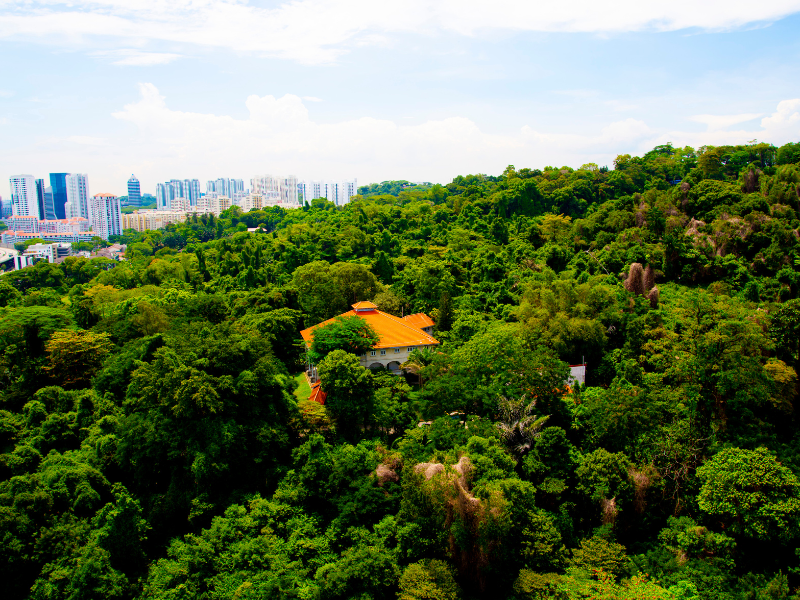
(428, 580)
(152, 443)
(750, 493)
(351, 334)
(350, 392)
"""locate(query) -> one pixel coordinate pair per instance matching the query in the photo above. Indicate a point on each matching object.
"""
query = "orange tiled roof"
(317, 395)
(393, 331)
(419, 320)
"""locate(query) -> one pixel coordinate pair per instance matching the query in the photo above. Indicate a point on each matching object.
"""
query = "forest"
(157, 440)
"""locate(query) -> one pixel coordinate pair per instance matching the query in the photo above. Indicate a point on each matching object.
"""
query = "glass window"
(397, 350)
(410, 348)
(383, 352)
(372, 353)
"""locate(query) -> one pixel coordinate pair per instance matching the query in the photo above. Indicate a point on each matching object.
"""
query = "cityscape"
(65, 212)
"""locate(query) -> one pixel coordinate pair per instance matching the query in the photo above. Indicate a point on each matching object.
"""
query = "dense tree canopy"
(157, 440)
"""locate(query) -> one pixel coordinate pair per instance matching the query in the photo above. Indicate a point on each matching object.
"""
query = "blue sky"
(419, 90)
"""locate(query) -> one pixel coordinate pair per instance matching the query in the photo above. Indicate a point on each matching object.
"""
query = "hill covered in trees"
(153, 445)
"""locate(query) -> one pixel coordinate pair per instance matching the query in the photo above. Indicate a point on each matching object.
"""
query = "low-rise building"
(399, 337)
(144, 220)
(26, 223)
(12, 237)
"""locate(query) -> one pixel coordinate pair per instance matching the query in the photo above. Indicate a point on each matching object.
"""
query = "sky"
(418, 90)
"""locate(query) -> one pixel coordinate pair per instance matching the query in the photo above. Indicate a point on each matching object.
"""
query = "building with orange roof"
(399, 337)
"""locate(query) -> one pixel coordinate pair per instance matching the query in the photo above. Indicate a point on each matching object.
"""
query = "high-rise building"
(282, 189)
(78, 201)
(58, 182)
(164, 196)
(106, 215)
(338, 192)
(44, 197)
(191, 190)
(5, 208)
(134, 192)
(23, 196)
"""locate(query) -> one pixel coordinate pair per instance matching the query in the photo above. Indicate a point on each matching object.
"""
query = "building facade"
(58, 185)
(276, 190)
(106, 215)
(144, 220)
(338, 192)
(12, 237)
(134, 192)
(25, 223)
(24, 201)
(78, 200)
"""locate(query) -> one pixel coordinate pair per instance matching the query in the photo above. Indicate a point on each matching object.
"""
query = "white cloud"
(280, 135)
(721, 122)
(780, 127)
(139, 58)
(318, 31)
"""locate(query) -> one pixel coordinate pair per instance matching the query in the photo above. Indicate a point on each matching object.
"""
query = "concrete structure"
(282, 189)
(12, 237)
(78, 201)
(28, 224)
(5, 208)
(398, 337)
(74, 225)
(23, 196)
(338, 192)
(134, 192)
(144, 220)
(106, 215)
(51, 252)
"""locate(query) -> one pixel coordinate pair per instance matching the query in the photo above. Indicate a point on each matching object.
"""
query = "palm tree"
(518, 424)
(417, 361)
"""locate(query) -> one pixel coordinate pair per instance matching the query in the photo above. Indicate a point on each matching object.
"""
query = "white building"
(338, 192)
(283, 190)
(26, 223)
(24, 201)
(106, 215)
(78, 202)
(12, 237)
(74, 225)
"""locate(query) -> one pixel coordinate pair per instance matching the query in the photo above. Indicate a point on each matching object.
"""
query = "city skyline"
(349, 89)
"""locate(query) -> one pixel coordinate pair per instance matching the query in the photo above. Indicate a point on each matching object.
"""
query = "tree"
(751, 494)
(428, 580)
(518, 424)
(351, 334)
(75, 355)
(444, 319)
(350, 391)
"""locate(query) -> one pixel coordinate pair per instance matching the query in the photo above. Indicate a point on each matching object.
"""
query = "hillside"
(153, 446)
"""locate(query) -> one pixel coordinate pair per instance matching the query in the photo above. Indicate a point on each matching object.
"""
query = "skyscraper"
(23, 196)
(78, 203)
(163, 196)
(106, 215)
(192, 190)
(134, 192)
(338, 192)
(282, 188)
(44, 195)
(58, 181)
